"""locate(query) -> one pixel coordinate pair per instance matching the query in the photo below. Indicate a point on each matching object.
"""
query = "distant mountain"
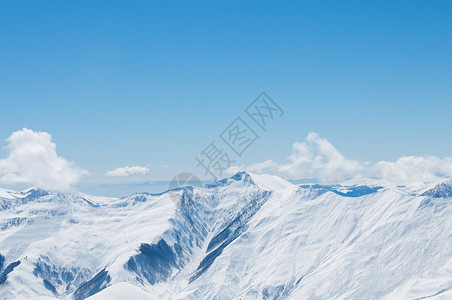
(245, 237)
(443, 189)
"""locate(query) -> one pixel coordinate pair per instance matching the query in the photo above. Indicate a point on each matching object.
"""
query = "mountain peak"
(443, 189)
(240, 176)
(35, 192)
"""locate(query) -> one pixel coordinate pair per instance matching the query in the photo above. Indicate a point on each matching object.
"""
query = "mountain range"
(244, 237)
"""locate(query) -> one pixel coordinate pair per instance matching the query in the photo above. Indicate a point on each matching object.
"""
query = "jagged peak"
(35, 192)
(440, 190)
(240, 176)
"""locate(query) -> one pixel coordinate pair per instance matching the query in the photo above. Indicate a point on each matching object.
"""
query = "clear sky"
(152, 83)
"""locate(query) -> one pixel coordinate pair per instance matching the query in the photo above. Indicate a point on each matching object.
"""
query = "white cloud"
(33, 160)
(408, 169)
(128, 171)
(318, 158)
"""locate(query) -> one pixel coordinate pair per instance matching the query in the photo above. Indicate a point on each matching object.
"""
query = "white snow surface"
(246, 237)
(121, 291)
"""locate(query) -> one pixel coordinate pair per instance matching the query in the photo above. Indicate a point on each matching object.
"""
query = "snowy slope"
(245, 237)
(121, 291)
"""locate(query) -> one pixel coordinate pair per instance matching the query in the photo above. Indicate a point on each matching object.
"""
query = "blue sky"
(152, 83)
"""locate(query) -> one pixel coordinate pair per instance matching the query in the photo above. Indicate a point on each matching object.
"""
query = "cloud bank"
(317, 158)
(33, 160)
(128, 171)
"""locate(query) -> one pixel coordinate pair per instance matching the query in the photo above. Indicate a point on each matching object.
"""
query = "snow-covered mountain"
(245, 237)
